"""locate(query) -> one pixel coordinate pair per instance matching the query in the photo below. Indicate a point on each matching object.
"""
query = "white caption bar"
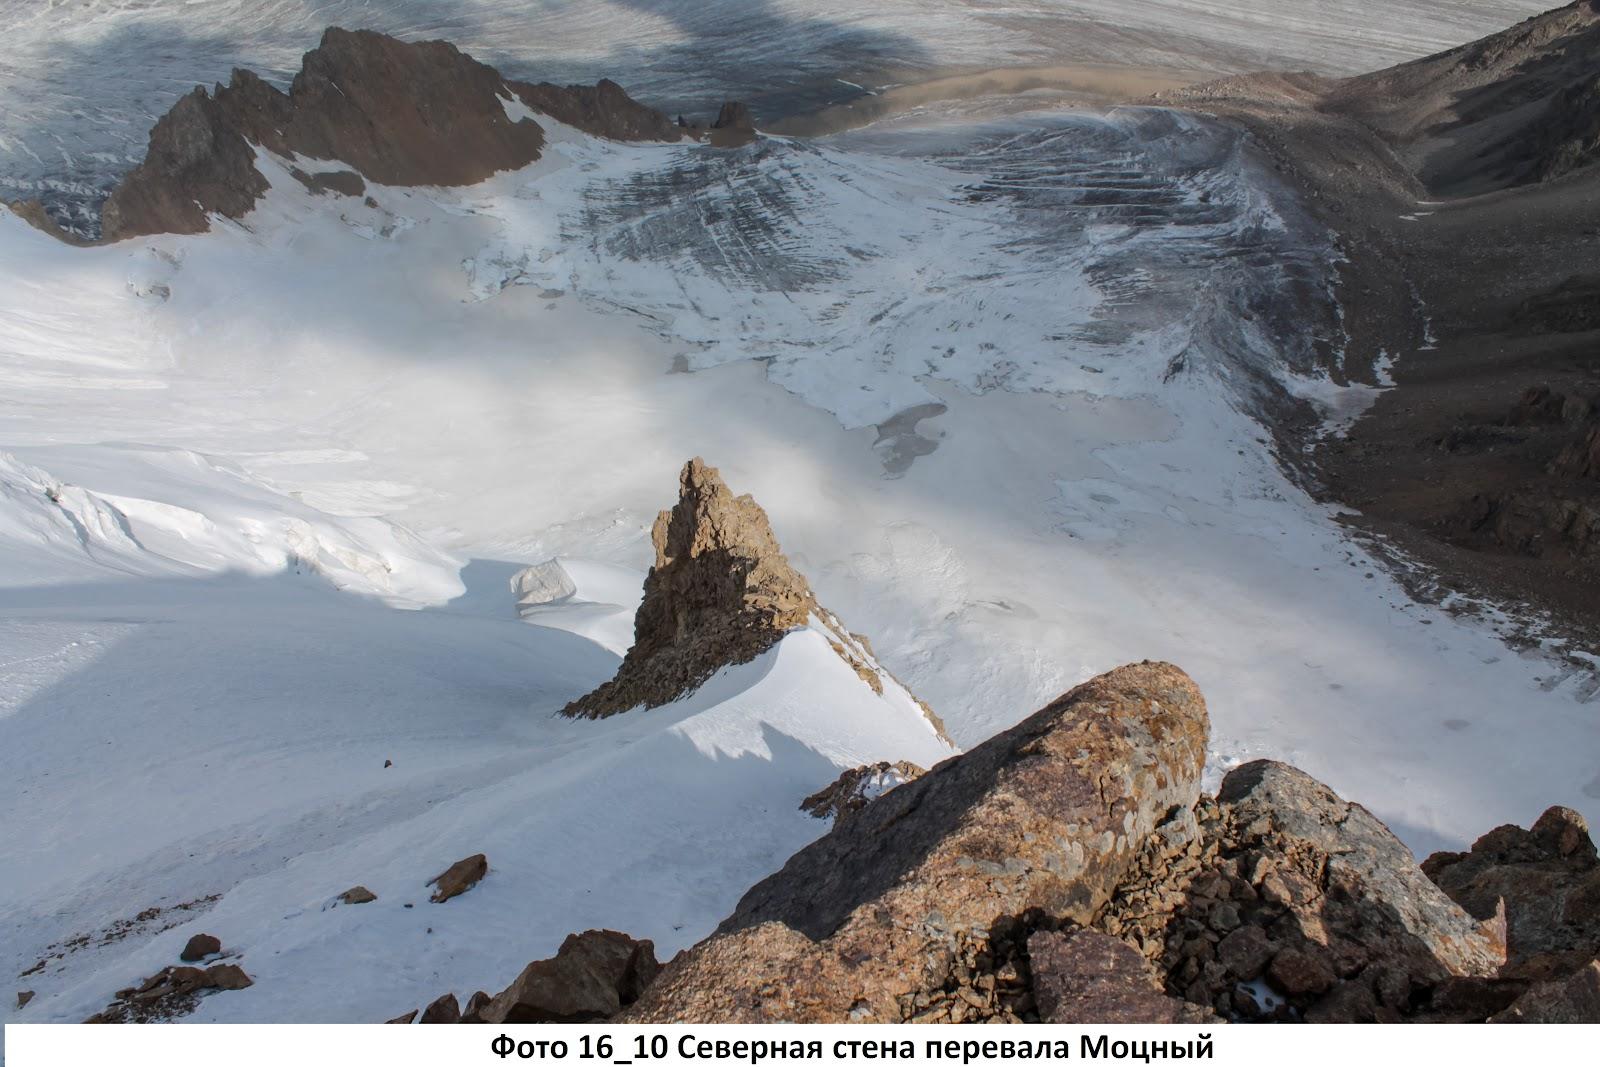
(765, 1046)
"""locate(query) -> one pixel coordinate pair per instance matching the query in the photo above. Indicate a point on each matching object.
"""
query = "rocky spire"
(721, 592)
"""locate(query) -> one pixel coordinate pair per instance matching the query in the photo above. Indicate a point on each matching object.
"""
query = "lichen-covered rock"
(721, 592)
(593, 975)
(1047, 818)
(1368, 876)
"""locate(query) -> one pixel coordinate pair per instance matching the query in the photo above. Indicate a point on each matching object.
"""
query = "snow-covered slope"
(994, 379)
(84, 81)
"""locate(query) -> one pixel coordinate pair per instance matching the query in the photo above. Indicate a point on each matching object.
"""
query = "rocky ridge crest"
(392, 112)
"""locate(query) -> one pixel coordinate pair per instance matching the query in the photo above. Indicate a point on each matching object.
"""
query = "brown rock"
(1573, 999)
(1379, 899)
(1245, 952)
(733, 126)
(593, 975)
(1048, 815)
(23, 996)
(857, 787)
(604, 110)
(399, 113)
(461, 876)
(406, 1019)
(345, 182)
(1349, 1002)
(444, 1010)
(226, 976)
(1090, 977)
(1547, 879)
(359, 894)
(1301, 972)
(199, 947)
(721, 593)
(473, 1013)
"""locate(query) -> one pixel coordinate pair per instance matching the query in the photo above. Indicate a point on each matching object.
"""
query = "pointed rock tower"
(721, 593)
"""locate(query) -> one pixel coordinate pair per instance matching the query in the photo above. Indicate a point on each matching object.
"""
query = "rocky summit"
(378, 108)
(721, 593)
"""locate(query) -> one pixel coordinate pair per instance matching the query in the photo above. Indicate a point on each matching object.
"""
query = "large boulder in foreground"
(899, 912)
(721, 593)
(592, 976)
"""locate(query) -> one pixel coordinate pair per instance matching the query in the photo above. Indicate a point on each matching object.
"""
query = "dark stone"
(443, 1010)
(199, 947)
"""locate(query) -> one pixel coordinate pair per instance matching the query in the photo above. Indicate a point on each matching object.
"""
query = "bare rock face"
(459, 877)
(733, 126)
(358, 894)
(721, 593)
(1547, 879)
(858, 787)
(397, 112)
(876, 921)
(594, 975)
(603, 109)
(1090, 977)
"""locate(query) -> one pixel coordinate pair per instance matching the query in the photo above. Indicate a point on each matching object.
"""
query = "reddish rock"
(461, 876)
(359, 894)
(406, 1019)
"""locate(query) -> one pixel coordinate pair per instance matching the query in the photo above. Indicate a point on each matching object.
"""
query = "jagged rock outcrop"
(1547, 880)
(733, 126)
(858, 787)
(399, 113)
(1315, 897)
(389, 111)
(877, 920)
(721, 593)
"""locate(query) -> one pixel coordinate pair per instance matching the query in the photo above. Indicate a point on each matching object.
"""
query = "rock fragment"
(459, 877)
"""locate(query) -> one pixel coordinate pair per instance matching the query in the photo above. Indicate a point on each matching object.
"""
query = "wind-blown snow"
(84, 82)
(264, 490)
